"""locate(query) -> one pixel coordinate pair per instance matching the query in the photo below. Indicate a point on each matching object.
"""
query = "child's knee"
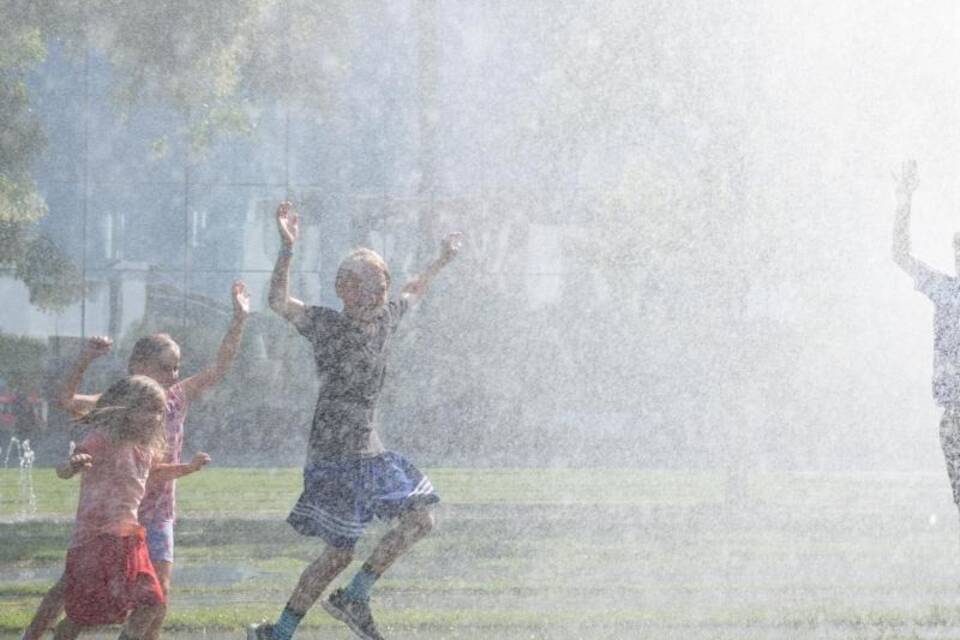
(152, 614)
(59, 590)
(429, 522)
(66, 630)
(339, 557)
(421, 521)
(343, 558)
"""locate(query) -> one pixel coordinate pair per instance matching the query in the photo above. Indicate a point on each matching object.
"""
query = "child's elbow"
(277, 305)
(901, 259)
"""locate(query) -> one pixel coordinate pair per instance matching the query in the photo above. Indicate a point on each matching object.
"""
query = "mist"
(677, 223)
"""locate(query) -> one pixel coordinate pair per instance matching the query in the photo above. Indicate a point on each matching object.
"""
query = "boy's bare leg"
(163, 569)
(314, 579)
(317, 576)
(67, 630)
(47, 613)
(351, 603)
(413, 526)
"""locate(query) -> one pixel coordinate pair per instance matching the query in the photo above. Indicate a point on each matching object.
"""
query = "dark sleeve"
(397, 308)
(311, 323)
(928, 281)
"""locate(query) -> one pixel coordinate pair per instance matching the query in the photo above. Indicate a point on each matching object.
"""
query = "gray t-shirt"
(944, 292)
(351, 360)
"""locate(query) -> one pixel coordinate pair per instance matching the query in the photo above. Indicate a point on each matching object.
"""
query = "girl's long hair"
(115, 407)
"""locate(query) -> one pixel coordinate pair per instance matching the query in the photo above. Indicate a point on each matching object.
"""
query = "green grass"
(270, 492)
(559, 554)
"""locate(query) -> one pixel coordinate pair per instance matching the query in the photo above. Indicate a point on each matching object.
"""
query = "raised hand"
(287, 223)
(451, 246)
(908, 180)
(96, 346)
(241, 299)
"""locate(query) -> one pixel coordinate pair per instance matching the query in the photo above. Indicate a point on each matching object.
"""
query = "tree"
(51, 278)
(210, 61)
(21, 46)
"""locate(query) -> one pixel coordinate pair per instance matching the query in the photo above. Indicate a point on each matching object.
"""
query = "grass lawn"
(269, 493)
(553, 553)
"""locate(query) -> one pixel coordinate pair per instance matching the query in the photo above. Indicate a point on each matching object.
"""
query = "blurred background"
(677, 218)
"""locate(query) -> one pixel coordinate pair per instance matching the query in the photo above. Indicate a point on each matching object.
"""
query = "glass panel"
(233, 227)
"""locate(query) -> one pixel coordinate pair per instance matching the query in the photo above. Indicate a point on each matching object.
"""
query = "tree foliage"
(21, 46)
(52, 278)
(210, 61)
(22, 361)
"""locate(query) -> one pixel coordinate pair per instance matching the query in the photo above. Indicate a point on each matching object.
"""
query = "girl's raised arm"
(67, 398)
(197, 384)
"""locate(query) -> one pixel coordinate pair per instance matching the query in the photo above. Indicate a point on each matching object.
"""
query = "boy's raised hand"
(241, 299)
(908, 180)
(451, 246)
(96, 346)
(287, 223)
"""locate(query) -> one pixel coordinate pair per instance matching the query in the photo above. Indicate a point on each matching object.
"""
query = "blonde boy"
(349, 476)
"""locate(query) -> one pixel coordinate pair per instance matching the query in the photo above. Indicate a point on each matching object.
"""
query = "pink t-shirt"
(160, 501)
(111, 489)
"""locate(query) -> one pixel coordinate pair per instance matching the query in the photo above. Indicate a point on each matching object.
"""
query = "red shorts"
(108, 577)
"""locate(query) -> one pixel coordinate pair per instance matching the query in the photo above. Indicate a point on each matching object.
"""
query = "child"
(349, 477)
(108, 573)
(944, 291)
(158, 357)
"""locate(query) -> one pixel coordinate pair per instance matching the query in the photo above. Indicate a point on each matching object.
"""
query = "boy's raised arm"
(67, 398)
(907, 183)
(281, 302)
(197, 384)
(414, 290)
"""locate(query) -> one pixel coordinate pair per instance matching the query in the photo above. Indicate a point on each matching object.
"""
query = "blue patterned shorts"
(340, 498)
(160, 541)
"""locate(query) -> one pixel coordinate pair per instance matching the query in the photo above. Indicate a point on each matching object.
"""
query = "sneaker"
(354, 613)
(260, 631)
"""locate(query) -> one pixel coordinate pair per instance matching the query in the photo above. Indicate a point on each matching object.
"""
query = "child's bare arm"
(75, 463)
(281, 302)
(197, 384)
(67, 397)
(165, 471)
(414, 290)
(907, 183)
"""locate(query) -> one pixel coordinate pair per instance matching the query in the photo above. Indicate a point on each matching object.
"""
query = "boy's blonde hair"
(357, 262)
(147, 348)
(113, 409)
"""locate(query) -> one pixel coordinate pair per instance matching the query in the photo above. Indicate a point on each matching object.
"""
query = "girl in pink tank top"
(156, 356)
(108, 573)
